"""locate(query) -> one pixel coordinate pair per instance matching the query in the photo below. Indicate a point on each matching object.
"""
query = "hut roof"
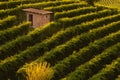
(32, 10)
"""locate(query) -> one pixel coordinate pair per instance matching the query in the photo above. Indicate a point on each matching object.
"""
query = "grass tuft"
(39, 71)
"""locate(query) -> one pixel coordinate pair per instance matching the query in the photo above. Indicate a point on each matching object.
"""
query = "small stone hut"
(38, 17)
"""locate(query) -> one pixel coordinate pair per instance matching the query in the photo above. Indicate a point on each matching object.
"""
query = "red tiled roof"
(37, 11)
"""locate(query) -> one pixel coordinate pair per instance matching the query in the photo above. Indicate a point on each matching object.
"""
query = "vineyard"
(113, 3)
(82, 42)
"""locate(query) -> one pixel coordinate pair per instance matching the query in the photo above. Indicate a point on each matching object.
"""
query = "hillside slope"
(81, 43)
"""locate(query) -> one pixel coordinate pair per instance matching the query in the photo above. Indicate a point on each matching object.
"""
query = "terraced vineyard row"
(12, 33)
(40, 5)
(78, 43)
(91, 67)
(13, 4)
(58, 53)
(10, 20)
(54, 27)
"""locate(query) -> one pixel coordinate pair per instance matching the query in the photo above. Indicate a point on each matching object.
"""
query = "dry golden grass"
(39, 71)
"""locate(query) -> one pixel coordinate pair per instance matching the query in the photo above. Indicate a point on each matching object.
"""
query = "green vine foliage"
(91, 2)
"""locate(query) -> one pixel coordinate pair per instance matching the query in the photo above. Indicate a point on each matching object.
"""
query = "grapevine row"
(13, 4)
(12, 33)
(22, 42)
(75, 12)
(67, 34)
(84, 71)
(110, 71)
(68, 64)
(6, 12)
(87, 17)
(59, 49)
(52, 27)
(25, 58)
(7, 22)
(78, 42)
(66, 7)
(42, 5)
(17, 10)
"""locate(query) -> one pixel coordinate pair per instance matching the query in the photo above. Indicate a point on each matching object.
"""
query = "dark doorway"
(31, 18)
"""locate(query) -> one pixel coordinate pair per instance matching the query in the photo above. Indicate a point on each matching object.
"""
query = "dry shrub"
(39, 71)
